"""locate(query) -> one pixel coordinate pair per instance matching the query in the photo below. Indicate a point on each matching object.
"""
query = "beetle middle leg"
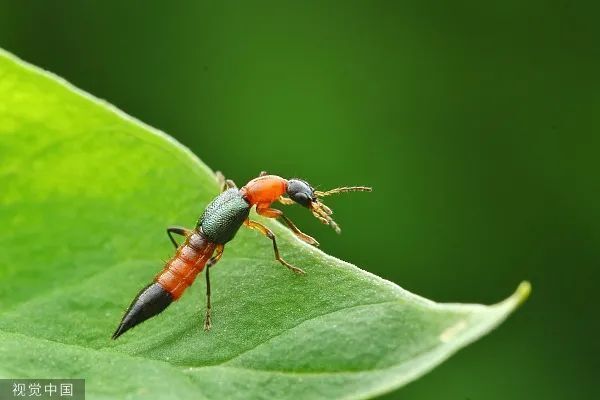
(178, 230)
(274, 213)
(268, 233)
(210, 263)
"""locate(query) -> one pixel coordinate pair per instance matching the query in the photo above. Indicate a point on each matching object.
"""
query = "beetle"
(203, 246)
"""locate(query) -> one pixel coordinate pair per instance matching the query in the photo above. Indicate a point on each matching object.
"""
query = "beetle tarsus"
(207, 321)
(296, 270)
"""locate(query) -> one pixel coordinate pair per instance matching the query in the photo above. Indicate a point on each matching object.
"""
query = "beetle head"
(301, 192)
(304, 194)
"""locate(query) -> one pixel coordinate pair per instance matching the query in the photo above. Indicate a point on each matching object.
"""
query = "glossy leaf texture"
(86, 195)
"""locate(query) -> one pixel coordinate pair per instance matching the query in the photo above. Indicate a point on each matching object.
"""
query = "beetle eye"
(302, 199)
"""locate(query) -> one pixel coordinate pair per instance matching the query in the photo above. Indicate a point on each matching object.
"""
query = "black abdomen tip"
(150, 301)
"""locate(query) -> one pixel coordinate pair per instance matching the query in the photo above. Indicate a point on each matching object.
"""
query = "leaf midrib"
(183, 368)
(219, 364)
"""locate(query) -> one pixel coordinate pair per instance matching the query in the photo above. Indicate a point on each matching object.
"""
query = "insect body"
(222, 218)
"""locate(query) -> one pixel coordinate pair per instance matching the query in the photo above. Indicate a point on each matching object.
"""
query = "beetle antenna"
(345, 189)
(323, 214)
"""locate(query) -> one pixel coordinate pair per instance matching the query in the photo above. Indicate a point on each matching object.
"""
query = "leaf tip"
(522, 292)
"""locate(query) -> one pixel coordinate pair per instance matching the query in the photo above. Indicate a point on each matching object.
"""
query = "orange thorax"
(264, 189)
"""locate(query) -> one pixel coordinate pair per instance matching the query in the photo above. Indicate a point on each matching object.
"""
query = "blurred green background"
(475, 122)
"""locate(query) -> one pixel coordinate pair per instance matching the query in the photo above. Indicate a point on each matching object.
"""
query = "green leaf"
(86, 195)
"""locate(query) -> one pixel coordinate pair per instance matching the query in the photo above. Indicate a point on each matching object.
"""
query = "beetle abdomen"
(224, 216)
(177, 275)
(189, 260)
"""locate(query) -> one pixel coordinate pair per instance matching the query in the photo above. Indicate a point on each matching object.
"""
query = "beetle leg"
(263, 173)
(268, 233)
(179, 231)
(265, 211)
(224, 183)
(220, 179)
(286, 201)
(214, 259)
(299, 234)
(274, 213)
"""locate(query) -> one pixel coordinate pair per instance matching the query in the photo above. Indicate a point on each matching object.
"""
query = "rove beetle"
(219, 223)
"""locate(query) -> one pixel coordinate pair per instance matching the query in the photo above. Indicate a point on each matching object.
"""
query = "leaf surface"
(87, 193)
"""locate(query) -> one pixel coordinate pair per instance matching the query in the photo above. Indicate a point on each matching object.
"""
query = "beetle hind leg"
(178, 230)
(209, 264)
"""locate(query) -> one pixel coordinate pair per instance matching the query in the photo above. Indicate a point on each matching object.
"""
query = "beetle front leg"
(286, 201)
(274, 213)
